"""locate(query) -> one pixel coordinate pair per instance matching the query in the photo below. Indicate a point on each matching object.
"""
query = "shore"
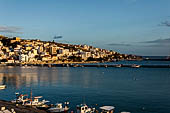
(89, 64)
(19, 108)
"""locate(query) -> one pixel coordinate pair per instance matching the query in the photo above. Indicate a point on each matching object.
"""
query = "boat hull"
(2, 87)
(57, 111)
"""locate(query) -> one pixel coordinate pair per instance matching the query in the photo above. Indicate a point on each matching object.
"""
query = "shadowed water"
(138, 90)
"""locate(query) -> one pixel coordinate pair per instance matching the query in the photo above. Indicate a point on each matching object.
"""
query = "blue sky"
(126, 26)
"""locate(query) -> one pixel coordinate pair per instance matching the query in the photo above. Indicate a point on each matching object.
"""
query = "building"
(23, 58)
(15, 39)
(53, 50)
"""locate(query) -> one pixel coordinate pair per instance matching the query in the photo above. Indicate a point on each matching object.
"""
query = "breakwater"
(93, 65)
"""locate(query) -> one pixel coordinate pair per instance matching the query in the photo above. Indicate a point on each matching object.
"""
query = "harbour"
(120, 87)
(85, 56)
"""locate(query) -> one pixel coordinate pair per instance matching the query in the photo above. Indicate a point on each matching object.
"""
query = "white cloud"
(10, 29)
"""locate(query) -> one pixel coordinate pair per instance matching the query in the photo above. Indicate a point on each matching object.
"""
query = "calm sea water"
(138, 90)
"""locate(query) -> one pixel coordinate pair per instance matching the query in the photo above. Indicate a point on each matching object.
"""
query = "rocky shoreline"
(19, 108)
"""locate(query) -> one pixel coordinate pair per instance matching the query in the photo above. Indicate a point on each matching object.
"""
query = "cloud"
(57, 37)
(158, 41)
(166, 23)
(10, 29)
(157, 45)
(118, 44)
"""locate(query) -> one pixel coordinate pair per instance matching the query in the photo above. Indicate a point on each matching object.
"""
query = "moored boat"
(124, 112)
(135, 66)
(35, 102)
(58, 108)
(83, 108)
(2, 87)
(20, 98)
(118, 65)
(43, 107)
(107, 109)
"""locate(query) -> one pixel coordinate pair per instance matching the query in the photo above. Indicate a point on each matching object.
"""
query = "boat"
(20, 98)
(2, 87)
(105, 66)
(135, 66)
(35, 102)
(168, 57)
(67, 65)
(58, 108)
(107, 109)
(124, 112)
(83, 108)
(43, 107)
(118, 65)
(76, 65)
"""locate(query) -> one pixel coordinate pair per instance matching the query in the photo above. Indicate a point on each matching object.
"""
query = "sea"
(136, 90)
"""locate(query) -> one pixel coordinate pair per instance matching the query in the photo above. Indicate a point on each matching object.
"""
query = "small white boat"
(83, 108)
(58, 108)
(35, 102)
(105, 66)
(135, 66)
(76, 65)
(118, 65)
(107, 109)
(2, 87)
(124, 112)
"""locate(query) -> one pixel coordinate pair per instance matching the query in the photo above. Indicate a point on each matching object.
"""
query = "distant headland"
(33, 51)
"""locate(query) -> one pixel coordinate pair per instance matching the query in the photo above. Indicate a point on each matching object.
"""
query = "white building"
(64, 51)
(23, 58)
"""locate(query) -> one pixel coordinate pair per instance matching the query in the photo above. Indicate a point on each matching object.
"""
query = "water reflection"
(18, 77)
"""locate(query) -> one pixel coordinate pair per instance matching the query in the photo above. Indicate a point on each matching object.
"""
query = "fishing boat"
(20, 98)
(36, 101)
(83, 108)
(107, 109)
(2, 87)
(58, 108)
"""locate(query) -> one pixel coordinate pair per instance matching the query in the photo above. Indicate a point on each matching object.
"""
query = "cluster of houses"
(17, 50)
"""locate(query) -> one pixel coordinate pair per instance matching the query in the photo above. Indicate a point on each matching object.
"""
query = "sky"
(140, 27)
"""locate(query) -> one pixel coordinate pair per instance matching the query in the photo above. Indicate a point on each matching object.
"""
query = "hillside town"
(30, 51)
